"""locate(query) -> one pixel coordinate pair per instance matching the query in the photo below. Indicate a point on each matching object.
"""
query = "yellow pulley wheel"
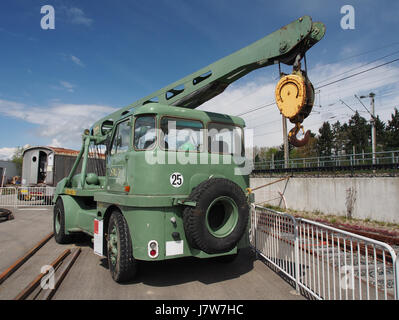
(291, 95)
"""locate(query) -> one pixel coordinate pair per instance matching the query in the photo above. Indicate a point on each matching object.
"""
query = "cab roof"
(167, 110)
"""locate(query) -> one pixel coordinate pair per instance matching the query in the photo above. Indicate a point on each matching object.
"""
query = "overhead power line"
(357, 73)
(361, 66)
(367, 52)
(252, 110)
(363, 104)
(347, 105)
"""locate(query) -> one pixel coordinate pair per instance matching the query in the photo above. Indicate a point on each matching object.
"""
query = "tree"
(309, 150)
(359, 133)
(381, 135)
(264, 153)
(17, 158)
(392, 132)
(340, 137)
(325, 140)
(279, 155)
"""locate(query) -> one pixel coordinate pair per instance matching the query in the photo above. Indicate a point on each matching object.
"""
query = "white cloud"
(77, 16)
(61, 124)
(68, 86)
(7, 153)
(77, 61)
(55, 143)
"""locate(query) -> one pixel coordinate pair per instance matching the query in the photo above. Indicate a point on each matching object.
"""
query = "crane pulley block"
(295, 96)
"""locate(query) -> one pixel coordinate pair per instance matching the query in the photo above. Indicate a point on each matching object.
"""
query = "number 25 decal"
(176, 179)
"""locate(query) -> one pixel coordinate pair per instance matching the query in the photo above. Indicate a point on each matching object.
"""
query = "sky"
(105, 55)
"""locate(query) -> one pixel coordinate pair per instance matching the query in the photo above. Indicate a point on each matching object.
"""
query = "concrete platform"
(178, 279)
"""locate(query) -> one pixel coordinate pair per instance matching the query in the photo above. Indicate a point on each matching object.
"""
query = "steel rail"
(17, 264)
(35, 282)
(65, 269)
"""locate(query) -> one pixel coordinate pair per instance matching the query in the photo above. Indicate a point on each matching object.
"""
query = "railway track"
(34, 276)
(390, 238)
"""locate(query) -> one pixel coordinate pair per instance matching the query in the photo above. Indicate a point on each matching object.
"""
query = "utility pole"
(285, 139)
(285, 131)
(373, 128)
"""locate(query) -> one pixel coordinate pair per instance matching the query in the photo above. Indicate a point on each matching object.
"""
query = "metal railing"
(26, 196)
(324, 262)
(385, 157)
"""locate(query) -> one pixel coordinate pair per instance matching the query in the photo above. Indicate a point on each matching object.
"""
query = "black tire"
(6, 214)
(59, 223)
(220, 217)
(122, 265)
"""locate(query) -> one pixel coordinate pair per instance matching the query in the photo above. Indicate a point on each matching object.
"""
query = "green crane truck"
(177, 180)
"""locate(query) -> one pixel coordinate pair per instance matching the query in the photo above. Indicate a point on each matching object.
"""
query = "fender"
(71, 209)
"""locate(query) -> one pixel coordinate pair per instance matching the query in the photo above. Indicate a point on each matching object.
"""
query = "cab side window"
(122, 137)
(145, 134)
(225, 138)
(181, 134)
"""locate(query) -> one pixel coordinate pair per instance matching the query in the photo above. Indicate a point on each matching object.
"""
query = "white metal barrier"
(26, 196)
(325, 262)
(8, 196)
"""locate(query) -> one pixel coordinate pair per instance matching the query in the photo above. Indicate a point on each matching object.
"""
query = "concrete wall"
(375, 198)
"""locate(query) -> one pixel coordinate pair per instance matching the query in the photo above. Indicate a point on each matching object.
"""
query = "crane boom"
(283, 45)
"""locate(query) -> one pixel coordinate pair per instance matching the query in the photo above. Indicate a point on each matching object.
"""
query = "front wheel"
(122, 264)
(59, 223)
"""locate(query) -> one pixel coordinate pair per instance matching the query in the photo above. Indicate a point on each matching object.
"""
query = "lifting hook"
(294, 140)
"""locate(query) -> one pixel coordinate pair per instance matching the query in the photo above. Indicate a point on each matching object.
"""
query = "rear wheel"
(59, 223)
(122, 265)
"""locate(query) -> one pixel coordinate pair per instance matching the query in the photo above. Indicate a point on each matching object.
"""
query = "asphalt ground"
(89, 278)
